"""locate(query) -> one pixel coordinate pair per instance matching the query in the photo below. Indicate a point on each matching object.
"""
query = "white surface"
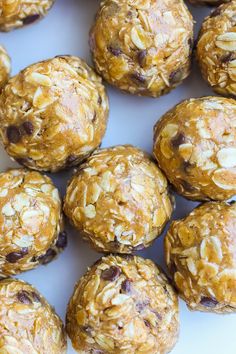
(65, 31)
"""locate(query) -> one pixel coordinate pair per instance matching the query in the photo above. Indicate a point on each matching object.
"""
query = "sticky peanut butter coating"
(28, 323)
(53, 114)
(142, 47)
(201, 255)
(195, 145)
(5, 66)
(19, 13)
(216, 49)
(123, 305)
(118, 200)
(31, 222)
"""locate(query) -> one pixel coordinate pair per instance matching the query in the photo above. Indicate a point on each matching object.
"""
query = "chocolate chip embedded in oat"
(138, 78)
(116, 51)
(62, 240)
(87, 329)
(13, 257)
(227, 58)
(111, 274)
(208, 302)
(22, 161)
(126, 286)
(99, 100)
(48, 256)
(28, 127)
(147, 323)
(24, 297)
(70, 160)
(177, 140)
(141, 57)
(216, 12)
(176, 76)
(140, 306)
(35, 296)
(30, 19)
(13, 134)
(187, 186)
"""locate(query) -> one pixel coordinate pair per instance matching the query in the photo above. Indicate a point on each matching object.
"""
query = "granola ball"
(5, 66)
(208, 2)
(31, 222)
(143, 47)
(216, 49)
(119, 200)
(53, 114)
(195, 145)
(123, 305)
(201, 255)
(18, 13)
(28, 323)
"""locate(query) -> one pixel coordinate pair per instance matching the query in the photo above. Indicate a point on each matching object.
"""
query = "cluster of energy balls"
(53, 116)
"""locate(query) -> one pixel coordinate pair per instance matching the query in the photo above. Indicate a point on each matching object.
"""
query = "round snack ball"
(208, 2)
(143, 47)
(216, 49)
(18, 13)
(200, 253)
(53, 114)
(195, 145)
(5, 66)
(123, 304)
(119, 200)
(28, 323)
(31, 221)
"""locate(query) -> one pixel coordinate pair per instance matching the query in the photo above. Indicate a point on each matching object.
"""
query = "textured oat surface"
(195, 145)
(31, 223)
(53, 113)
(143, 46)
(123, 305)
(119, 199)
(5, 66)
(28, 323)
(201, 255)
(18, 13)
(216, 49)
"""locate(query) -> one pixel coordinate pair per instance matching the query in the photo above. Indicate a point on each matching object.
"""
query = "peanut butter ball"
(216, 49)
(28, 323)
(31, 222)
(5, 66)
(123, 305)
(142, 47)
(118, 200)
(53, 114)
(201, 255)
(195, 145)
(18, 13)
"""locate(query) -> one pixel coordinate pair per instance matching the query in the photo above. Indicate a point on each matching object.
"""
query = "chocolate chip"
(187, 186)
(216, 12)
(62, 240)
(24, 297)
(35, 296)
(96, 351)
(176, 76)
(99, 100)
(139, 247)
(190, 43)
(140, 306)
(208, 301)
(48, 256)
(111, 273)
(70, 160)
(22, 161)
(126, 286)
(227, 58)
(13, 134)
(30, 19)
(87, 329)
(177, 140)
(13, 257)
(173, 268)
(115, 51)
(138, 78)
(147, 323)
(187, 166)
(28, 127)
(141, 57)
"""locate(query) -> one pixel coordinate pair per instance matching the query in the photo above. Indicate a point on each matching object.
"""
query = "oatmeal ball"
(53, 114)
(18, 13)
(143, 47)
(5, 66)
(119, 200)
(201, 255)
(195, 145)
(216, 49)
(31, 222)
(28, 323)
(123, 305)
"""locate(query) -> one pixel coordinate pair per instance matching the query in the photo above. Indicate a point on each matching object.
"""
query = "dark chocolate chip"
(35, 296)
(177, 140)
(138, 78)
(116, 51)
(99, 100)
(111, 274)
(190, 43)
(227, 58)
(187, 166)
(147, 323)
(70, 160)
(13, 257)
(176, 76)
(141, 57)
(22, 161)
(30, 19)
(208, 302)
(28, 127)
(48, 256)
(24, 297)
(173, 268)
(87, 329)
(216, 12)
(13, 134)
(126, 286)
(62, 240)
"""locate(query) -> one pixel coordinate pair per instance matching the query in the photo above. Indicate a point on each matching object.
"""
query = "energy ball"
(18, 13)
(123, 305)
(31, 222)
(200, 253)
(5, 66)
(195, 145)
(216, 49)
(118, 200)
(53, 114)
(143, 47)
(28, 323)
(208, 2)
